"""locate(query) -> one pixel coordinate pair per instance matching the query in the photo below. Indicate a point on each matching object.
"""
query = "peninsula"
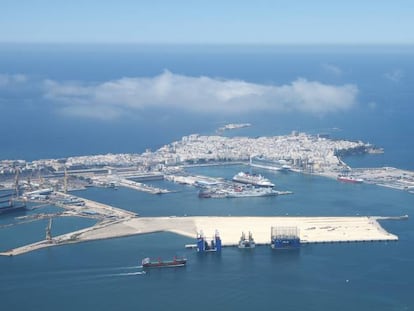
(47, 181)
(300, 152)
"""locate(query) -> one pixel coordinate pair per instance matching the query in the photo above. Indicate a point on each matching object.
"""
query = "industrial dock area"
(50, 182)
(297, 152)
(312, 229)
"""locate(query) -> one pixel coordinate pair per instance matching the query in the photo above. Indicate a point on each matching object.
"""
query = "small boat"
(176, 262)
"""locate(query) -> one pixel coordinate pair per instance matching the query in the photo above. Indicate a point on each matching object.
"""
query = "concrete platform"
(312, 229)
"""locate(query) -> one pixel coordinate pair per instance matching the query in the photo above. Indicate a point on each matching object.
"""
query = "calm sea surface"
(104, 275)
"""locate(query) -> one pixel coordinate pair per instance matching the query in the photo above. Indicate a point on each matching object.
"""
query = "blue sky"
(213, 21)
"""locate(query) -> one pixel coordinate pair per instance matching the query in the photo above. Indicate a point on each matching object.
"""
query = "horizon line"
(265, 44)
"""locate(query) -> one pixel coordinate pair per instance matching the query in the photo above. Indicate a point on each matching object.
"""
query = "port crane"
(49, 231)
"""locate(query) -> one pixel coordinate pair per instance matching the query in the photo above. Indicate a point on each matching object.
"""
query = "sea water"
(105, 274)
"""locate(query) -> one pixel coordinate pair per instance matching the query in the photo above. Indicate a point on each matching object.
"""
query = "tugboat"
(246, 242)
(176, 262)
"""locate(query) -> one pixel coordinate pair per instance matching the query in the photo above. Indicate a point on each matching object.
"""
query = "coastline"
(308, 155)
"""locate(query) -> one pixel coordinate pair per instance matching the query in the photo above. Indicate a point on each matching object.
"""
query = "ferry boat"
(246, 242)
(237, 192)
(216, 193)
(252, 179)
(176, 262)
(246, 192)
(349, 179)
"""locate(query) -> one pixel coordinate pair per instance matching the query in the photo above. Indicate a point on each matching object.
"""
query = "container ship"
(252, 179)
(176, 262)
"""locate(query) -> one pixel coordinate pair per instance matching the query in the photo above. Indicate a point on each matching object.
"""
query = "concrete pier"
(104, 210)
(140, 186)
(312, 229)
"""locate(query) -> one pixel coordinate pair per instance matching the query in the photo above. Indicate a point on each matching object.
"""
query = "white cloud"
(11, 79)
(200, 94)
(332, 69)
(395, 75)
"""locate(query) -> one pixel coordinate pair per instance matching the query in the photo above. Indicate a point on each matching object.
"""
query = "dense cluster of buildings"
(299, 149)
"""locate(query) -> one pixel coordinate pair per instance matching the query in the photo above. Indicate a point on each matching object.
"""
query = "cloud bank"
(197, 94)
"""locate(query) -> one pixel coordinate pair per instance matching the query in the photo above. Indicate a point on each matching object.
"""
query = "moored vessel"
(246, 192)
(246, 242)
(237, 191)
(350, 179)
(203, 244)
(272, 165)
(8, 204)
(252, 179)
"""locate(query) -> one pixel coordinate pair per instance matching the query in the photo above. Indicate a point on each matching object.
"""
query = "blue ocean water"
(105, 275)
(32, 127)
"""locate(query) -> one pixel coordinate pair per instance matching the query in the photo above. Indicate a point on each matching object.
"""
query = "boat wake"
(126, 273)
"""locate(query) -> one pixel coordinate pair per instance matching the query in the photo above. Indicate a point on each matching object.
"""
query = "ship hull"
(255, 180)
(165, 264)
(12, 209)
(350, 180)
(246, 244)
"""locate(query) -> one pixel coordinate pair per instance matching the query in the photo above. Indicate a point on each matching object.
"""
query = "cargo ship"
(349, 179)
(252, 179)
(176, 262)
(8, 204)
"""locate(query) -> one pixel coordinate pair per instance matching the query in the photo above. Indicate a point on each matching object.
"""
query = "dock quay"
(112, 181)
(312, 229)
(194, 180)
(123, 182)
(90, 207)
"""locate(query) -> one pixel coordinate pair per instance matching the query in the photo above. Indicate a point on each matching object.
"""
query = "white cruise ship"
(273, 165)
(252, 179)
